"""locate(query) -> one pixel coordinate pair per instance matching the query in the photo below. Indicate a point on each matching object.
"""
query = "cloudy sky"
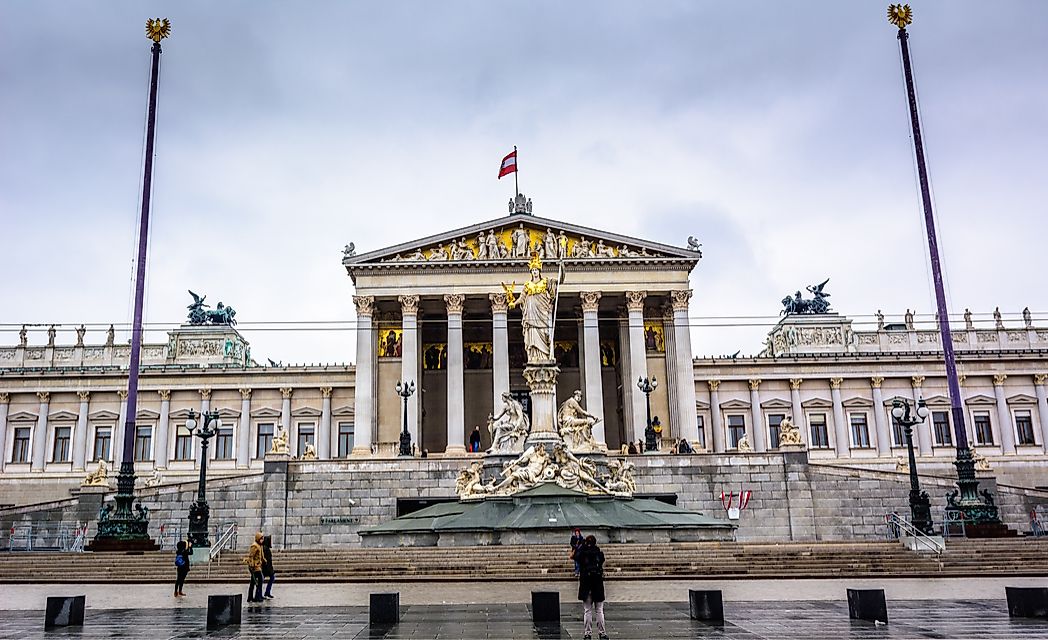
(776, 132)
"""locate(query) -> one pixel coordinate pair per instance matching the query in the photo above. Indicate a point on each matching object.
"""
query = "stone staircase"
(984, 558)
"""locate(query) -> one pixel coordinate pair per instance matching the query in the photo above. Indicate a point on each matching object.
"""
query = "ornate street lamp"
(404, 390)
(199, 511)
(920, 509)
(647, 386)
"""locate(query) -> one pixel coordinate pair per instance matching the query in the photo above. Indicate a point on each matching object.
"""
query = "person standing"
(576, 542)
(591, 587)
(181, 565)
(253, 560)
(267, 566)
(474, 440)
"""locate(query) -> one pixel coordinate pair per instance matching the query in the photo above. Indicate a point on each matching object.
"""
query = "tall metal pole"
(516, 170)
(123, 528)
(975, 509)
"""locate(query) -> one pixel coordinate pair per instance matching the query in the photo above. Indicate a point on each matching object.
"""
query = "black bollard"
(1027, 602)
(64, 611)
(867, 604)
(545, 607)
(707, 606)
(384, 609)
(223, 610)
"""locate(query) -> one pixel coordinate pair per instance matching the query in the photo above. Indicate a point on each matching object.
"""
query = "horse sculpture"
(795, 304)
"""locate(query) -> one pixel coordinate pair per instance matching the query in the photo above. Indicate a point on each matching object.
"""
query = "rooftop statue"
(199, 314)
(797, 305)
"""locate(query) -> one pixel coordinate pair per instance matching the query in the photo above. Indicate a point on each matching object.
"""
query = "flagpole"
(516, 170)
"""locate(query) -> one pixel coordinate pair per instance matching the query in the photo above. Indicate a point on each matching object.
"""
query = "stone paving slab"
(815, 620)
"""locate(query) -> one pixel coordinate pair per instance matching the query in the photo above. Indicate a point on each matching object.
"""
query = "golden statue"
(279, 445)
(158, 28)
(536, 302)
(97, 478)
(310, 453)
(900, 15)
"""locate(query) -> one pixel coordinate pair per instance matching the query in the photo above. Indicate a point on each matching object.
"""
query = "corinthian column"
(324, 434)
(797, 409)
(638, 358)
(80, 437)
(162, 428)
(40, 435)
(364, 381)
(499, 348)
(1004, 418)
(759, 440)
(924, 430)
(880, 421)
(682, 366)
(409, 359)
(840, 426)
(715, 414)
(5, 399)
(118, 430)
(456, 394)
(591, 364)
(244, 431)
(285, 419)
(1039, 380)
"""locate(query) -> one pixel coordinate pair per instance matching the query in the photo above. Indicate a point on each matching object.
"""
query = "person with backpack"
(181, 565)
(591, 587)
(576, 541)
(253, 560)
(267, 566)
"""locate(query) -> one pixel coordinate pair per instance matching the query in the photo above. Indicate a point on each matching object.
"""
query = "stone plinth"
(542, 380)
(707, 606)
(64, 611)
(867, 604)
(224, 610)
(384, 609)
(94, 489)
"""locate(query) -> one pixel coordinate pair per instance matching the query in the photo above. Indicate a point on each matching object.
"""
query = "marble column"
(591, 362)
(244, 430)
(840, 424)
(672, 431)
(323, 437)
(1004, 417)
(682, 365)
(456, 373)
(717, 424)
(880, 419)
(118, 430)
(1039, 380)
(797, 409)
(499, 348)
(760, 440)
(163, 430)
(5, 399)
(409, 360)
(364, 383)
(40, 433)
(285, 419)
(205, 406)
(80, 435)
(638, 358)
(923, 429)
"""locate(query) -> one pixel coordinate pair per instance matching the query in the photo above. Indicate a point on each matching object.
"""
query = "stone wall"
(324, 503)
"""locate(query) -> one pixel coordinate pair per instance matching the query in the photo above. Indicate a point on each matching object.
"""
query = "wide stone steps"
(640, 561)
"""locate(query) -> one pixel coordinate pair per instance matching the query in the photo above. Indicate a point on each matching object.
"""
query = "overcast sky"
(775, 132)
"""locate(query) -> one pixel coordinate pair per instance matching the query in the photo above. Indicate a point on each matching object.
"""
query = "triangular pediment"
(502, 239)
(817, 403)
(735, 404)
(980, 399)
(1022, 398)
(306, 412)
(103, 414)
(345, 411)
(61, 415)
(776, 403)
(21, 416)
(265, 412)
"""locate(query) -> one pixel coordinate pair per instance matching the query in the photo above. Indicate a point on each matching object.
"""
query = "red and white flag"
(509, 164)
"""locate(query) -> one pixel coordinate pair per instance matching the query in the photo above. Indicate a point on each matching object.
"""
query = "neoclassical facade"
(437, 312)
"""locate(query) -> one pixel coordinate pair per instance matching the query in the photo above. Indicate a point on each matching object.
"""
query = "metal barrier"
(1036, 528)
(953, 524)
(904, 527)
(226, 540)
(169, 534)
(46, 536)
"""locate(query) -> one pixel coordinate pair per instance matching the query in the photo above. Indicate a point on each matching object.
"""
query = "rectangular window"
(983, 428)
(60, 450)
(702, 432)
(860, 431)
(820, 436)
(224, 443)
(1024, 427)
(345, 439)
(20, 451)
(143, 443)
(736, 430)
(305, 436)
(103, 439)
(898, 433)
(774, 420)
(941, 426)
(183, 443)
(264, 440)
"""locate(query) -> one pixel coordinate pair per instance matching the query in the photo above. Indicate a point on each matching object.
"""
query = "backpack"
(180, 560)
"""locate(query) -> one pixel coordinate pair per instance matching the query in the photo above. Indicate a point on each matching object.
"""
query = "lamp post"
(647, 386)
(920, 509)
(199, 511)
(977, 511)
(404, 390)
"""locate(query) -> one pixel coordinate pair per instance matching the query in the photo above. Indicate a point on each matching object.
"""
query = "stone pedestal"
(867, 604)
(64, 611)
(793, 448)
(384, 608)
(545, 607)
(542, 380)
(224, 610)
(707, 606)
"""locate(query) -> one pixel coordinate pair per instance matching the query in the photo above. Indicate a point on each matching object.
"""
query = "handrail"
(902, 525)
(227, 539)
(78, 540)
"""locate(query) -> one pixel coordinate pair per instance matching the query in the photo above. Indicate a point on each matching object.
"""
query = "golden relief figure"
(390, 342)
(654, 337)
(536, 302)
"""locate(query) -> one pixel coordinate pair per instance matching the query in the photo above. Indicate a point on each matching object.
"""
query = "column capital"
(917, 381)
(680, 298)
(961, 377)
(122, 394)
(45, 396)
(245, 393)
(365, 305)
(755, 384)
(999, 378)
(165, 394)
(5, 397)
(454, 302)
(1038, 379)
(835, 383)
(325, 392)
(499, 302)
(83, 395)
(590, 300)
(713, 384)
(205, 394)
(408, 305)
(635, 300)
(285, 392)
(795, 383)
(876, 381)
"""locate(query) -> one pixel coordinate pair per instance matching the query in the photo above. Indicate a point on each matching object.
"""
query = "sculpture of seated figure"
(526, 471)
(279, 445)
(310, 453)
(576, 424)
(97, 478)
(470, 482)
(509, 428)
(620, 479)
(573, 473)
(789, 434)
(744, 444)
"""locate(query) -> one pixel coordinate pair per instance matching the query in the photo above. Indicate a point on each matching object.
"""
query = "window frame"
(98, 430)
(853, 432)
(350, 432)
(733, 441)
(1028, 415)
(946, 441)
(823, 423)
(183, 451)
(977, 432)
(62, 433)
(27, 442)
(700, 421)
(261, 437)
(226, 435)
(147, 455)
(311, 436)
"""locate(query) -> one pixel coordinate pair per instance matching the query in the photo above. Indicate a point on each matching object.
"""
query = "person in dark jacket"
(474, 440)
(591, 587)
(576, 541)
(267, 566)
(181, 565)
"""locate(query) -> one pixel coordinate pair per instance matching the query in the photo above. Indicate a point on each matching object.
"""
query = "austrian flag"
(509, 164)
